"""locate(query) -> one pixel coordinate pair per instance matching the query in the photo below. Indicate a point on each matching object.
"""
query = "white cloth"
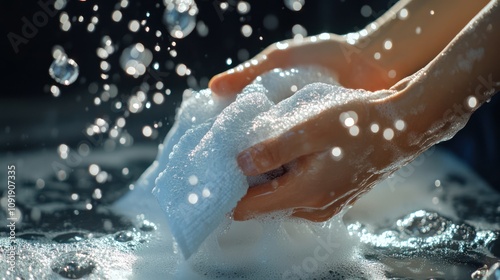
(198, 181)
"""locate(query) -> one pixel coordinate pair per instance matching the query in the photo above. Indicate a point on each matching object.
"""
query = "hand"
(354, 68)
(330, 163)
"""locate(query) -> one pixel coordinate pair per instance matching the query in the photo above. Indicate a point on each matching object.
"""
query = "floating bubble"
(294, 5)
(135, 59)
(64, 70)
(180, 17)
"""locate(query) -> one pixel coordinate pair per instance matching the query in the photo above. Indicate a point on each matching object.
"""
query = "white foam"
(206, 149)
(207, 136)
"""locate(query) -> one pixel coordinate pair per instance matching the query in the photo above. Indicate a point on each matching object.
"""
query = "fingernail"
(246, 163)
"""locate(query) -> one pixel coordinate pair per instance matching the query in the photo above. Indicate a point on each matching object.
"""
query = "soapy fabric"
(198, 181)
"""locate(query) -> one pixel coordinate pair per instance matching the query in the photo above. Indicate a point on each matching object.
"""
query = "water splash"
(180, 17)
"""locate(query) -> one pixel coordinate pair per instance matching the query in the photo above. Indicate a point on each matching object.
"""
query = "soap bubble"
(73, 265)
(294, 5)
(124, 236)
(135, 59)
(64, 70)
(180, 17)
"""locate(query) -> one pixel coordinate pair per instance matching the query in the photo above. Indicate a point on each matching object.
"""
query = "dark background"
(31, 118)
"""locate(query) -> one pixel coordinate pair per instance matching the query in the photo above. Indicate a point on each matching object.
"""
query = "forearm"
(440, 99)
(418, 30)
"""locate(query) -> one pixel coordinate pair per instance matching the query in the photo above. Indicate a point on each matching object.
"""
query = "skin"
(451, 71)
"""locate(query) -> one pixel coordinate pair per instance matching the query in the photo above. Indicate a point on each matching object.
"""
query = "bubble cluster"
(180, 17)
(135, 59)
(73, 265)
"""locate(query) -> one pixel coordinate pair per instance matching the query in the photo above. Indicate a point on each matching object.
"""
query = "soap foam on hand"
(198, 181)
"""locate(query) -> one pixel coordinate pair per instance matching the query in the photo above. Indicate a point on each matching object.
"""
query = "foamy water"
(433, 219)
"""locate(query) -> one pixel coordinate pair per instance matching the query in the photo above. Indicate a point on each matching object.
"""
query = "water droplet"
(193, 198)
(193, 180)
(73, 265)
(472, 102)
(64, 70)
(135, 59)
(403, 14)
(388, 44)
(400, 125)
(366, 11)
(147, 226)
(294, 5)
(388, 134)
(337, 153)
(180, 17)
(124, 236)
(243, 7)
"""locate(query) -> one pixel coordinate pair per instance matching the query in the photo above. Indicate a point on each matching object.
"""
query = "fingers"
(306, 138)
(233, 81)
(279, 194)
(322, 215)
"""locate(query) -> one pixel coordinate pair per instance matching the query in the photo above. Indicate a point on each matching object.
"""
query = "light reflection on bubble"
(388, 134)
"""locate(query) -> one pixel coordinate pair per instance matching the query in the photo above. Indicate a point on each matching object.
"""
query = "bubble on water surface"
(180, 17)
(64, 70)
(124, 236)
(73, 265)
